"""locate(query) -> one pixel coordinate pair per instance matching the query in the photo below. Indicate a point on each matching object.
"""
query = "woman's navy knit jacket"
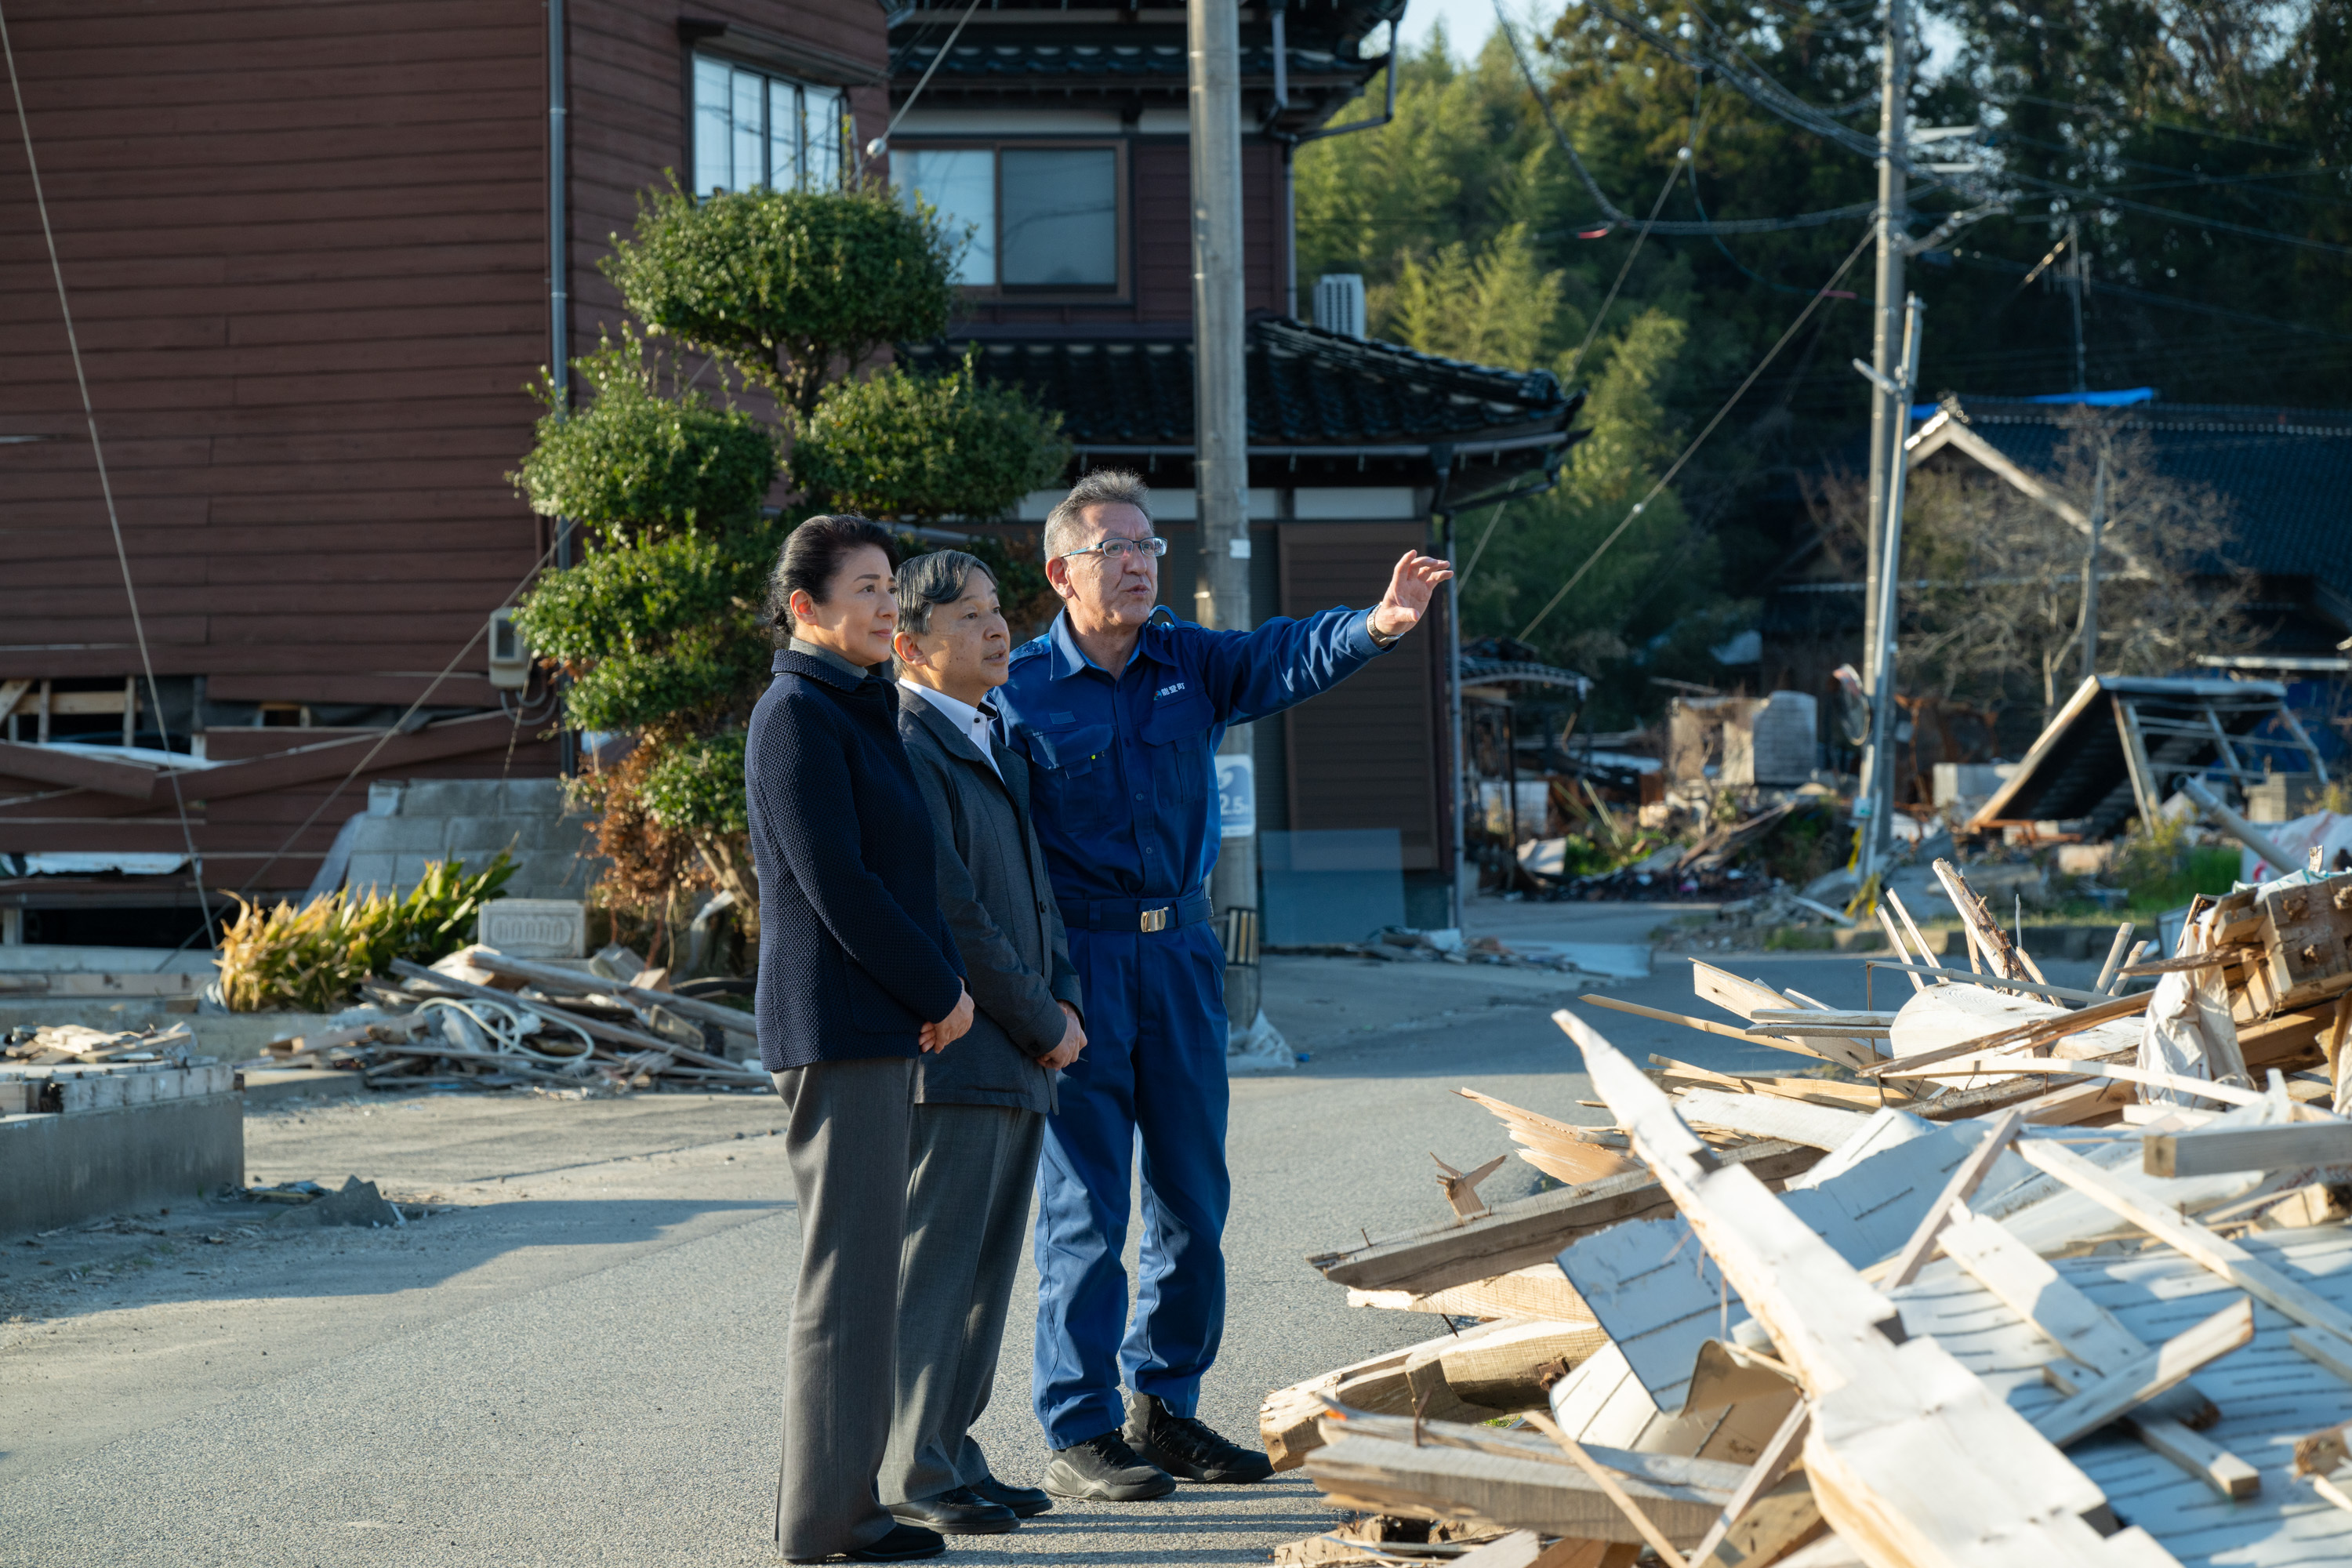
(854, 956)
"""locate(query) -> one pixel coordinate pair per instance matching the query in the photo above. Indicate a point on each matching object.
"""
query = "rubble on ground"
(482, 1019)
(2011, 1273)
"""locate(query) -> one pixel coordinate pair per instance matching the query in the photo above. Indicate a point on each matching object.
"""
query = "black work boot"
(1186, 1447)
(1105, 1470)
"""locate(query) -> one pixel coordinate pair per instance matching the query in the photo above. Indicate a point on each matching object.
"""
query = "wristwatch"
(1379, 641)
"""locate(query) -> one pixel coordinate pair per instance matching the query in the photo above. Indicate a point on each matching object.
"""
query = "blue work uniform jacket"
(1122, 779)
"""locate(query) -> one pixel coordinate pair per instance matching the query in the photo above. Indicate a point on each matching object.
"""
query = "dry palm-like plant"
(313, 957)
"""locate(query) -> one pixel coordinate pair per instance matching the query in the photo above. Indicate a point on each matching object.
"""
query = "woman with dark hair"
(858, 975)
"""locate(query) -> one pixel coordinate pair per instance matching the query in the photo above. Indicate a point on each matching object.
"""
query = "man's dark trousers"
(1153, 1072)
(1122, 769)
(980, 1104)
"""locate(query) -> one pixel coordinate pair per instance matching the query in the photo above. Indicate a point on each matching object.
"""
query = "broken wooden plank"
(71, 769)
(2085, 1331)
(1611, 1487)
(1771, 1116)
(2146, 1375)
(1741, 997)
(1539, 1290)
(1998, 982)
(2039, 1029)
(2224, 1258)
(1560, 1149)
(1461, 1187)
(1437, 1480)
(1963, 1186)
(1911, 1457)
(2077, 1066)
(558, 980)
(1290, 1419)
(1762, 1477)
(1708, 1027)
(1501, 1372)
(1530, 1230)
(2248, 1149)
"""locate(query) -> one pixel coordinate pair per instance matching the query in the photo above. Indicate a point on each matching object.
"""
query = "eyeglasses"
(1117, 550)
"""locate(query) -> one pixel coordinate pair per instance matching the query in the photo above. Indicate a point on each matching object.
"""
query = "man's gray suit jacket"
(1000, 907)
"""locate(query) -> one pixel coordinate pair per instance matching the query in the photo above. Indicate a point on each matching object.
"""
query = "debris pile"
(482, 1019)
(62, 1068)
(2034, 1276)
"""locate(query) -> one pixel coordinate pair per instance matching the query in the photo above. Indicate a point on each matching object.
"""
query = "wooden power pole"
(1221, 444)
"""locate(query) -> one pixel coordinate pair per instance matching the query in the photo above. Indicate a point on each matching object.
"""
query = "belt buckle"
(1157, 919)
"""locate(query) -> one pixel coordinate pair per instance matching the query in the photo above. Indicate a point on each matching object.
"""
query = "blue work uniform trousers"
(1153, 1075)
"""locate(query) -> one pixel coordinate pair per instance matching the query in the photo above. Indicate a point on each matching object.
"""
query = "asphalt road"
(578, 1363)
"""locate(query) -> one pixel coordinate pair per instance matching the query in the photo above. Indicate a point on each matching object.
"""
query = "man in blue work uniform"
(1120, 717)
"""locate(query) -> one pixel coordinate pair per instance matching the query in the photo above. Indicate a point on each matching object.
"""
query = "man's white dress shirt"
(973, 722)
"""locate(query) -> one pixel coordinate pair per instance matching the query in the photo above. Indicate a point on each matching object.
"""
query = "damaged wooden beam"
(1912, 1459)
(1530, 1230)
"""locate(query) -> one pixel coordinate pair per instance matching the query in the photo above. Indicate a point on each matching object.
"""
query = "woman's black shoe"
(903, 1544)
(1028, 1502)
(962, 1511)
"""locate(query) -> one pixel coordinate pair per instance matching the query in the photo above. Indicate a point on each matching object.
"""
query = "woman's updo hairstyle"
(812, 558)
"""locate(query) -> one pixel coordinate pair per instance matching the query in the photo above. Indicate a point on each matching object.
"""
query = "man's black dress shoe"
(962, 1511)
(903, 1544)
(1027, 1502)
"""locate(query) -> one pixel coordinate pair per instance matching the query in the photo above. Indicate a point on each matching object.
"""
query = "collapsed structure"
(2035, 1276)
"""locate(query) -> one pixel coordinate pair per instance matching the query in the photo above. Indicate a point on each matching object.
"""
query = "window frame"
(1122, 216)
(771, 78)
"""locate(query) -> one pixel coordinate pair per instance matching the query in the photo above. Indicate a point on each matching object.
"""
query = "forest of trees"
(2200, 151)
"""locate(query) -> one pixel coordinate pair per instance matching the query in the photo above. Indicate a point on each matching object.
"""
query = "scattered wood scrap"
(2003, 1286)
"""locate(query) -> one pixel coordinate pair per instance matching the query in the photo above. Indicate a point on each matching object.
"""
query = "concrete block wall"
(409, 826)
(56, 1170)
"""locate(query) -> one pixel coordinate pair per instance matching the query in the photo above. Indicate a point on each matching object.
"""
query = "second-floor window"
(751, 128)
(1039, 217)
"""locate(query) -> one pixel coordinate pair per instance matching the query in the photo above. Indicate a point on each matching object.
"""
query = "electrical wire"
(1700, 439)
(2148, 296)
(1769, 95)
(106, 483)
(1500, 508)
(1592, 328)
(2106, 113)
(1615, 216)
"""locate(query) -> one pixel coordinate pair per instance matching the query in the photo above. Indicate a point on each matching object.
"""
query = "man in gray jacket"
(980, 1110)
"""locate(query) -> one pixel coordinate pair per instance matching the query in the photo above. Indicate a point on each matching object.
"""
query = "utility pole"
(1890, 419)
(1221, 595)
(2091, 571)
(1879, 760)
(2080, 281)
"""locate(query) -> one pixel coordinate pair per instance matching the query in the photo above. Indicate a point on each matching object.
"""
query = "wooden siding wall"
(304, 245)
(1366, 754)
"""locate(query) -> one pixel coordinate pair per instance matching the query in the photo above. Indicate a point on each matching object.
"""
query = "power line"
(2106, 113)
(1615, 215)
(1667, 477)
(1767, 94)
(106, 483)
(2150, 297)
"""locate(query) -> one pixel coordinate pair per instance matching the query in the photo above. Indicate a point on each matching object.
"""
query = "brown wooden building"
(315, 252)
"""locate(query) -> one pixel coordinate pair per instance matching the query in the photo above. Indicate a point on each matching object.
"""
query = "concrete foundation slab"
(58, 1170)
